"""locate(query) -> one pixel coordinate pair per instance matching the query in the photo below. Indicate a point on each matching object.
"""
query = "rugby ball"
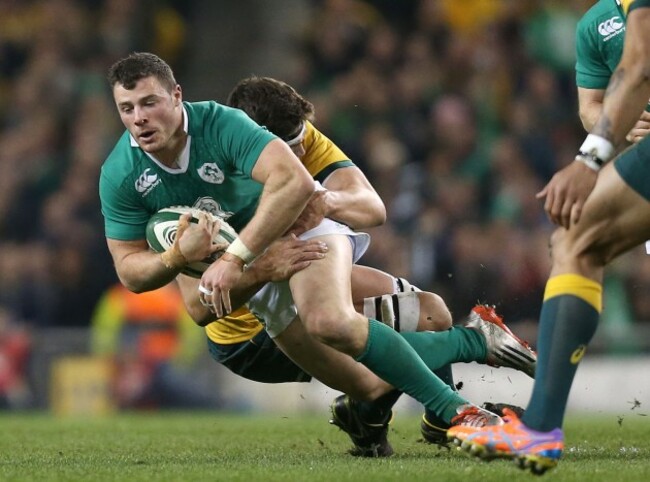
(161, 233)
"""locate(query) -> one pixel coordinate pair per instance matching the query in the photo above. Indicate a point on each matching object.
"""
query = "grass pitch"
(223, 447)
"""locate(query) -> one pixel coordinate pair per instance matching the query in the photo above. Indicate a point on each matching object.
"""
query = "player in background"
(278, 107)
(599, 45)
(207, 155)
(602, 211)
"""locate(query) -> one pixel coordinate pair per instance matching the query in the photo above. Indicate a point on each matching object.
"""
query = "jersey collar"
(183, 158)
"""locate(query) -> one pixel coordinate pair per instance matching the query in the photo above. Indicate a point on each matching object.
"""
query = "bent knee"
(331, 327)
(589, 248)
(434, 314)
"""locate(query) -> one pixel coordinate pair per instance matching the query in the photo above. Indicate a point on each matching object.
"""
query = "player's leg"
(333, 368)
(374, 290)
(322, 296)
(405, 308)
(615, 218)
(361, 386)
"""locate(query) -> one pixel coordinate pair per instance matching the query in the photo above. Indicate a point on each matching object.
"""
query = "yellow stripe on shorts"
(576, 285)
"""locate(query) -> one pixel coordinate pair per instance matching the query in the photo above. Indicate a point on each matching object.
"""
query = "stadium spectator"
(15, 352)
(152, 343)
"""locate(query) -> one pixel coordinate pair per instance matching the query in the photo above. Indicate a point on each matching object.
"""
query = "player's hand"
(567, 192)
(195, 239)
(287, 256)
(312, 215)
(217, 281)
(640, 129)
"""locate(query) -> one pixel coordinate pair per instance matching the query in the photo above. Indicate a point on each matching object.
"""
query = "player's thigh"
(323, 288)
(616, 216)
(368, 282)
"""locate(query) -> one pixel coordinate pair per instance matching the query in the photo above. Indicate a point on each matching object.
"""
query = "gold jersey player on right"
(602, 209)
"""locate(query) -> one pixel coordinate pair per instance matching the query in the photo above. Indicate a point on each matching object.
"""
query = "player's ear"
(177, 94)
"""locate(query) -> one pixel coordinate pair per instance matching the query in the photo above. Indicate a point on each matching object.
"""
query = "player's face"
(150, 113)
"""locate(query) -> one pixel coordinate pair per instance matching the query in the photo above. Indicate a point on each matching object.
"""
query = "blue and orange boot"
(530, 449)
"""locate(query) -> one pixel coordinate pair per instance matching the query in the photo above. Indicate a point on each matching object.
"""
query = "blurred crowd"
(458, 112)
(57, 124)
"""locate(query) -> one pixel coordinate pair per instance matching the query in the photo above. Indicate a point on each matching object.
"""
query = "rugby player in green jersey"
(599, 46)
(602, 211)
(215, 158)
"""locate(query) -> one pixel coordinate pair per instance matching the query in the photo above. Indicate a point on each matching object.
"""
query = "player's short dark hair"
(271, 103)
(139, 65)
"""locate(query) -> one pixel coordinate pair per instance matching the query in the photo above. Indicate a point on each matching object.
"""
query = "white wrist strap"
(595, 152)
(239, 249)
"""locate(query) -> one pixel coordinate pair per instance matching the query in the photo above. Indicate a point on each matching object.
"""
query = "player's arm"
(625, 97)
(629, 88)
(590, 104)
(202, 315)
(278, 263)
(140, 269)
(287, 189)
(347, 198)
(351, 199)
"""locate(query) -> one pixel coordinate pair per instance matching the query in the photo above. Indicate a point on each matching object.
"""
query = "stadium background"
(458, 112)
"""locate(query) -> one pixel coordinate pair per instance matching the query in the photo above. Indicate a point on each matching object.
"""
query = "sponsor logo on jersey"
(211, 173)
(611, 28)
(146, 182)
(211, 206)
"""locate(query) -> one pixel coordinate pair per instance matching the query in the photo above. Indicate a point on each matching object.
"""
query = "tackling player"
(602, 211)
(239, 341)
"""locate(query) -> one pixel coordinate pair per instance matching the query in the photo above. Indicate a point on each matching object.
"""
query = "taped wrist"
(239, 249)
(595, 151)
(173, 258)
(400, 311)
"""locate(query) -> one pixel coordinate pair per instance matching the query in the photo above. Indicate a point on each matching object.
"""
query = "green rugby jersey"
(599, 44)
(214, 174)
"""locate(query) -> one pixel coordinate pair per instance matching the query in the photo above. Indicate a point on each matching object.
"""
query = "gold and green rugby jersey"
(214, 173)
(600, 37)
(599, 44)
(322, 157)
(629, 5)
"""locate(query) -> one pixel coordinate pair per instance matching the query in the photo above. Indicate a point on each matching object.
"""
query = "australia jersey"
(629, 5)
(322, 157)
(213, 174)
(599, 44)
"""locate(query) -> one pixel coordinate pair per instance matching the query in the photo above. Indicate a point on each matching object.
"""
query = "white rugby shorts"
(274, 305)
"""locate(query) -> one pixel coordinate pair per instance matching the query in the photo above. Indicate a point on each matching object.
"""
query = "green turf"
(197, 447)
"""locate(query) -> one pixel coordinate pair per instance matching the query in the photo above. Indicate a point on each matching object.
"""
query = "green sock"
(389, 356)
(568, 321)
(439, 348)
(446, 375)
